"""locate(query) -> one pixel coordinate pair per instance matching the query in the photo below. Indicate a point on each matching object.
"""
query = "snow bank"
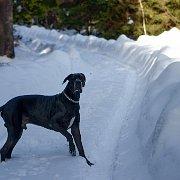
(141, 81)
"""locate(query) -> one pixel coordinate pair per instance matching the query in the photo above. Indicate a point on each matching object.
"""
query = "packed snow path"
(105, 104)
(115, 106)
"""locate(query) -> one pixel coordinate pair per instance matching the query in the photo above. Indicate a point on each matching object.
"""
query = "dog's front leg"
(77, 138)
(68, 136)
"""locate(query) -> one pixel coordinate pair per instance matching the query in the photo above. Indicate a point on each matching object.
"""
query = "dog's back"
(27, 108)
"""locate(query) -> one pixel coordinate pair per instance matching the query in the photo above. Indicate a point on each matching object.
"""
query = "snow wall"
(156, 62)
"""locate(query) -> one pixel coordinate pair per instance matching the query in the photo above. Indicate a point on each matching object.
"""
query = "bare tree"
(6, 29)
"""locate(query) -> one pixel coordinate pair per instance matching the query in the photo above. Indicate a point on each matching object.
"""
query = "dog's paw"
(72, 150)
(89, 163)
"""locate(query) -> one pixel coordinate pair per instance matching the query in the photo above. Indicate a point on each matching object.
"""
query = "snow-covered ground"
(130, 107)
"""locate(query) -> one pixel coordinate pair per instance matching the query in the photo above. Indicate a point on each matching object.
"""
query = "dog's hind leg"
(12, 139)
(15, 140)
(14, 131)
(4, 150)
(7, 145)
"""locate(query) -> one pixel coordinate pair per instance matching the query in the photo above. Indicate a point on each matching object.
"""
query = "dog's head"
(76, 82)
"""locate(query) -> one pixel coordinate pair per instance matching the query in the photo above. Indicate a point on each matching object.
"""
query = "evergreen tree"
(109, 18)
(25, 10)
(105, 18)
(161, 15)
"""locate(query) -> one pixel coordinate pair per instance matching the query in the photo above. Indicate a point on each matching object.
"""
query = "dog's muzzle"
(78, 85)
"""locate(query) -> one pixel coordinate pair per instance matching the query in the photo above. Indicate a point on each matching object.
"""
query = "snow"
(130, 106)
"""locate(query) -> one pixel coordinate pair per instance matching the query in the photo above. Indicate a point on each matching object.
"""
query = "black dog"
(59, 113)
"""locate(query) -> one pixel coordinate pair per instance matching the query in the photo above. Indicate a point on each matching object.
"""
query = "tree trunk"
(6, 29)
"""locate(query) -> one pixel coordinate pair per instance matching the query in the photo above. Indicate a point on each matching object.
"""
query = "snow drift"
(130, 107)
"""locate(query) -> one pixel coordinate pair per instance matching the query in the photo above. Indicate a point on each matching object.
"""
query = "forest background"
(103, 18)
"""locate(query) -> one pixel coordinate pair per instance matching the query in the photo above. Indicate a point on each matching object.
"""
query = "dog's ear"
(68, 78)
(83, 76)
(84, 79)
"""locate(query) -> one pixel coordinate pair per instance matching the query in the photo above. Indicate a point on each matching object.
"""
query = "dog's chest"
(71, 122)
(68, 120)
(65, 116)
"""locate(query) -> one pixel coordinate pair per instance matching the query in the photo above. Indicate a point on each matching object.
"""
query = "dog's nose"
(78, 85)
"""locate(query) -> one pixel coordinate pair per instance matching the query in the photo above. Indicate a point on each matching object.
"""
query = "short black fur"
(52, 112)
